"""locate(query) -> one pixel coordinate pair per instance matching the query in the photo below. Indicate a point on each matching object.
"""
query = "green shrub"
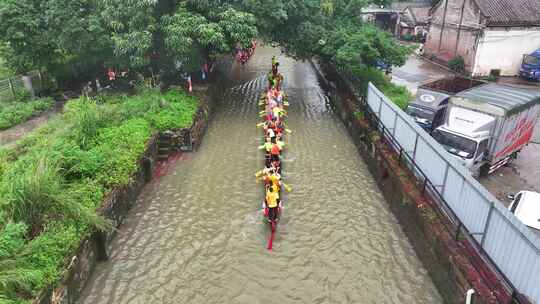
(119, 149)
(407, 37)
(359, 114)
(492, 78)
(85, 118)
(36, 193)
(5, 72)
(457, 64)
(398, 94)
(12, 239)
(47, 252)
(52, 180)
(15, 113)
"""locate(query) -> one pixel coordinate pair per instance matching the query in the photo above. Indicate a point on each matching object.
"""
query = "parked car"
(487, 126)
(429, 107)
(530, 67)
(526, 207)
(383, 66)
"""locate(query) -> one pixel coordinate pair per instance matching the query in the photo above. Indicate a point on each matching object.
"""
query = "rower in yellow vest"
(272, 202)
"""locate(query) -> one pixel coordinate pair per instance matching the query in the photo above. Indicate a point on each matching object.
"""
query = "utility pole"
(459, 27)
(443, 24)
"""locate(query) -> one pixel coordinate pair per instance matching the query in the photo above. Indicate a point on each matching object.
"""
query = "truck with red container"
(487, 126)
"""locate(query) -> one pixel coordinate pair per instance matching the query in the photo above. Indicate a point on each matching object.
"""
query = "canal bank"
(444, 247)
(196, 235)
(117, 203)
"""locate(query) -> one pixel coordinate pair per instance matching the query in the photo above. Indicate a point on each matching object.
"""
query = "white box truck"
(487, 126)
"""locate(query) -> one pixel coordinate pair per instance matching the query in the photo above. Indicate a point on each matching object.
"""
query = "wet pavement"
(416, 72)
(524, 172)
(197, 234)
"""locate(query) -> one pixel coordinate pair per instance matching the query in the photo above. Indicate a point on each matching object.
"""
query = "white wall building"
(491, 35)
(503, 49)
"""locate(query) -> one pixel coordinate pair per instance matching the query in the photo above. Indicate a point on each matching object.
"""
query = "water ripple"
(197, 235)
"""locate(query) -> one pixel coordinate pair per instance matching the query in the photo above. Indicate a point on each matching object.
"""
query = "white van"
(526, 207)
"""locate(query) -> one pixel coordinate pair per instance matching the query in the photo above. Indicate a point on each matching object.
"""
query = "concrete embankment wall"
(116, 205)
(438, 248)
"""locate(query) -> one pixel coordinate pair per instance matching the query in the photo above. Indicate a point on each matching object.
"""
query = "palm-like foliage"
(15, 279)
(38, 195)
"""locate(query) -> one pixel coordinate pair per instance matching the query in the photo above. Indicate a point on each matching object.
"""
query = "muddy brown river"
(197, 234)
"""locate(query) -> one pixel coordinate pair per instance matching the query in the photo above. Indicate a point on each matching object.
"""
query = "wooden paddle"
(287, 187)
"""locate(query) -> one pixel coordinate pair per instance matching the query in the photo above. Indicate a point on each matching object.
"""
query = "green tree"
(60, 36)
(80, 38)
(329, 29)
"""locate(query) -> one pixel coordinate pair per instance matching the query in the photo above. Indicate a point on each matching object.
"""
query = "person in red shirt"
(111, 74)
(274, 152)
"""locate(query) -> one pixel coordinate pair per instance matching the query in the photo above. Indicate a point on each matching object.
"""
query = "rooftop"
(510, 12)
(420, 14)
(510, 99)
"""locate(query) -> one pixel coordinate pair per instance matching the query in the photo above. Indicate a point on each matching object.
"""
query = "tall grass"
(52, 181)
(37, 194)
(5, 72)
(85, 119)
(16, 112)
(396, 93)
(15, 278)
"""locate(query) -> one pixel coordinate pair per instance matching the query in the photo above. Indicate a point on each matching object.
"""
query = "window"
(439, 117)
(420, 112)
(455, 144)
(515, 203)
(531, 60)
(482, 148)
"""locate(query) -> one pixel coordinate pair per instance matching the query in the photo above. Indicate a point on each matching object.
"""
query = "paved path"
(416, 72)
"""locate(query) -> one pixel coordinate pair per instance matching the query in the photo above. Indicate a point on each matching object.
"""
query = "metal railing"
(493, 235)
(9, 88)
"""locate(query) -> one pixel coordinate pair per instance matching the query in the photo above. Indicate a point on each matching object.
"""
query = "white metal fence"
(510, 245)
(9, 88)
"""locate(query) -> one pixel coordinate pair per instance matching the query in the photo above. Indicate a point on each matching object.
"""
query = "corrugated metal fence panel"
(388, 116)
(374, 101)
(512, 252)
(509, 243)
(473, 209)
(405, 135)
(433, 166)
(16, 83)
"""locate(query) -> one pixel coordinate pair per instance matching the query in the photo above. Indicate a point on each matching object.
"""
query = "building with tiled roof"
(492, 36)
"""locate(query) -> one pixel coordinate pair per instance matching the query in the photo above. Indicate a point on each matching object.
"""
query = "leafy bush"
(118, 150)
(85, 119)
(457, 64)
(168, 118)
(47, 252)
(359, 114)
(17, 112)
(12, 239)
(52, 180)
(35, 193)
(5, 72)
(398, 94)
(492, 78)
(407, 37)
